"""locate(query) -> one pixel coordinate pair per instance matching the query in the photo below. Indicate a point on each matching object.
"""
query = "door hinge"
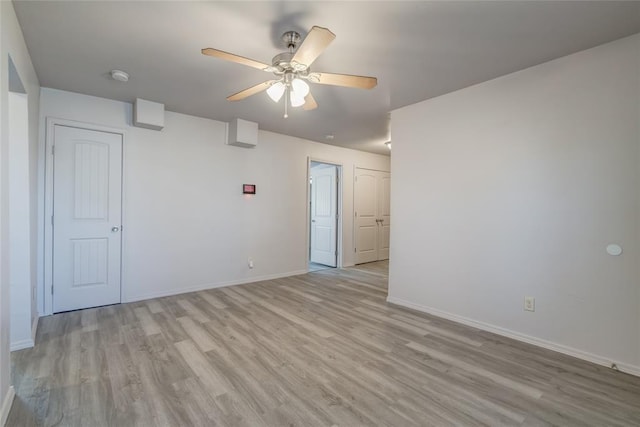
(52, 220)
(355, 213)
(53, 150)
(355, 250)
(51, 289)
(356, 179)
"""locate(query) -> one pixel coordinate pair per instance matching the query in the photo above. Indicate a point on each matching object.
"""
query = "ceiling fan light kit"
(292, 70)
(276, 90)
(296, 100)
(300, 87)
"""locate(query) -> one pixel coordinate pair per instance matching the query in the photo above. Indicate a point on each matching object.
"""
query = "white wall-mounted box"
(148, 114)
(243, 133)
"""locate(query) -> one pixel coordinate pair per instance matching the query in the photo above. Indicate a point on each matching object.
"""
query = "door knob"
(115, 229)
(313, 220)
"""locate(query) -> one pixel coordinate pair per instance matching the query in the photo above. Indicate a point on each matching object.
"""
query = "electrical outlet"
(250, 263)
(529, 304)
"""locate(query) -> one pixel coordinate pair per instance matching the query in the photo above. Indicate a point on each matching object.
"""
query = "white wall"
(12, 44)
(187, 225)
(515, 187)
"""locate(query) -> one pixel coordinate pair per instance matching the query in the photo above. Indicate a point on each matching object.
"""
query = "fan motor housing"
(282, 63)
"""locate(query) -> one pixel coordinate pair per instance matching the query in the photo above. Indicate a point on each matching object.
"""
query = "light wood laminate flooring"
(320, 349)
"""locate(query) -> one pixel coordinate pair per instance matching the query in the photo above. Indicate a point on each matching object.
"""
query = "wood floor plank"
(212, 380)
(197, 333)
(148, 324)
(427, 326)
(306, 295)
(199, 406)
(499, 379)
(235, 296)
(192, 311)
(154, 306)
(320, 349)
(210, 297)
(296, 319)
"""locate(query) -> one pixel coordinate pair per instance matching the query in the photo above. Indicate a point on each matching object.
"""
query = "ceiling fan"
(292, 70)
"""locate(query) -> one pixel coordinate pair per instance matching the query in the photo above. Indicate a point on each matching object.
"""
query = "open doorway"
(22, 280)
(324, 215)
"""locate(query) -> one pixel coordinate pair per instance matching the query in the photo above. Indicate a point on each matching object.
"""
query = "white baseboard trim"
(6, 405)
(549, 345)
(21, 345)
(206, 286)
(26, 343)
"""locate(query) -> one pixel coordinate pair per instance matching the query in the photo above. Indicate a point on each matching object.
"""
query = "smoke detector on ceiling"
(119, 75)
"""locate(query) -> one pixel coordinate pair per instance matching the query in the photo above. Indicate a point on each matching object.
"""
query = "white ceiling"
(416, 49)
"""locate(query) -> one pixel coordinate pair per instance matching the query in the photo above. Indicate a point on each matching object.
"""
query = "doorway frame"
(340, 183)
(22, 276)
(46, 290)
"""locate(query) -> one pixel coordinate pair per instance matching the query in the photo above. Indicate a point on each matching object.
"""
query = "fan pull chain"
(286, 103)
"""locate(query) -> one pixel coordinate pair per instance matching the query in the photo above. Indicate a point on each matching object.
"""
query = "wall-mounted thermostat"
(248, 189)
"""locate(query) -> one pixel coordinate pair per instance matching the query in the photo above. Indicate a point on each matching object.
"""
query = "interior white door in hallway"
(324, 214)
(372, 215)
(87, 215)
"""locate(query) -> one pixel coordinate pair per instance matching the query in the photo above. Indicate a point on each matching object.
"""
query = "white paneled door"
(324, 215)
(384, 213)
(87, 216)
(366, 211)
(372, 215)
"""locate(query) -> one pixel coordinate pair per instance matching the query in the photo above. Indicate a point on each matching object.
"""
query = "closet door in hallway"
(372, 215)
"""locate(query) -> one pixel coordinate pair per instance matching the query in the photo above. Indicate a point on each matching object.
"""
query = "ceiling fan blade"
(347, 80)
(235, 58)
(313, 45)
(250, 91)
(309, 103)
